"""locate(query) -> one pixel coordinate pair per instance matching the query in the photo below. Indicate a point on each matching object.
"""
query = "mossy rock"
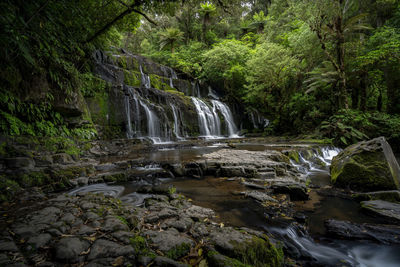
(248, 249)
(391, 196)
(294, 155)
(259, 252)
(132, 78)
(8, 188)
(366, 166)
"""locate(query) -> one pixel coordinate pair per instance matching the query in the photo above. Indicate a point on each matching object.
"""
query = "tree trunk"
(363, 93)
(392, 78)
(343, 102)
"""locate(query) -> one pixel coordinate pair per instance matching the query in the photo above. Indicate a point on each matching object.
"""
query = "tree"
(271, 69)
(206, 10)
(332, 29)
(170, 37)
(259, 21)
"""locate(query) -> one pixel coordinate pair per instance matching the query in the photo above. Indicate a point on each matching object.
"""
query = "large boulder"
(366, 166)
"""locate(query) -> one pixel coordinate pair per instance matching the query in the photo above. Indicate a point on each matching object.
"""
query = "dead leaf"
(118, 261)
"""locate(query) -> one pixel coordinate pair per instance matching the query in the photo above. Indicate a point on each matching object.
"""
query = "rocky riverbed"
(191, 203)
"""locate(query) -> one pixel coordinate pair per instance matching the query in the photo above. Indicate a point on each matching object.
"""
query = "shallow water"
(222, 196)
(233, 209)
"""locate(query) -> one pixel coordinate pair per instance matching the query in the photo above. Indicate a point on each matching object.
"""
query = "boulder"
(386, 234)
(366, 166)
(391, 196)
(385, 210)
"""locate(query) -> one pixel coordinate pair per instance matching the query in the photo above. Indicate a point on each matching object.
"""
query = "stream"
(310, 244)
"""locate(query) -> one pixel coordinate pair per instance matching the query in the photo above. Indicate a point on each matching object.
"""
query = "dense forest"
(200, 133)
(327, 68)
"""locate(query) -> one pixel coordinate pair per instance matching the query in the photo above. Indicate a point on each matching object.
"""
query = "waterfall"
(196, 89)
(258, 121)
(177, 128)
(227, 114)
(137, 114)
(145, 78)
(209, 122)
(129, 132)
(153, 124)
(212, 94)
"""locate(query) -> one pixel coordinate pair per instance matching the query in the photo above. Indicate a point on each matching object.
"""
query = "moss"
(69, 173)
(316, 141)
(34, 179)
(139, 244)
(8, 189)
(132, 78)
(258, 252)
(117, 177)
(366, 171)
(294, 155)
(178, 251)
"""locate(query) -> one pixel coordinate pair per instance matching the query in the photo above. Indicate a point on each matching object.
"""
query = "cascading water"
(129, 131)
(332, 253)
(177, 128)
(209, 121)
(227, 114)
(153, 124)
(196, 89)
(145, 79)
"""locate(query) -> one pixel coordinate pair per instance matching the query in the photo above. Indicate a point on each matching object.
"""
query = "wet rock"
(123, 236)
(383, 209)
(386, 234)
(198, 213)
(82, 181)
(68, 218)
(199, 230)
(43, 161)
(20, 162)
(68, 249)
(245, 248)
(391, 196)
(258, 195)
(105, 167)
(366, 166)
(170, 242)
(39, 241)
(296, 191)
(253, 185)
(86, 230)
(224, 239)
(113, 224)
(182, 224)
(103, 248)
(8, 246)
(166, 262)
(62, 158)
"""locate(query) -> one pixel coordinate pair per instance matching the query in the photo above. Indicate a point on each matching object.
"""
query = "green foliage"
(92, 85)
(224, 63)
(169, 37)
(351, 126)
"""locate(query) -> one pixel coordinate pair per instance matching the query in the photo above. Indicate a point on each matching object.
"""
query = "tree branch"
(130, 9)
(139, 12)
(37, 11)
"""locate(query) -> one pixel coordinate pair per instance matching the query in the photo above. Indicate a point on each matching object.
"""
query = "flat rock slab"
(391, 196)
(386, 210)
(258, 195)
(385, 234)
(167, 240)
